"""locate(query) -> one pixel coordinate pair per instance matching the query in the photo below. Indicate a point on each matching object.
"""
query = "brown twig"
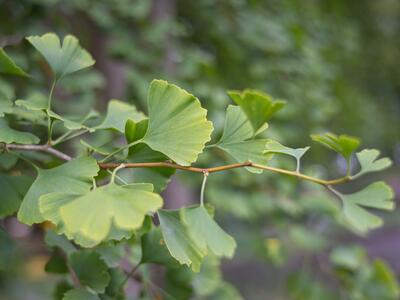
(165, 164)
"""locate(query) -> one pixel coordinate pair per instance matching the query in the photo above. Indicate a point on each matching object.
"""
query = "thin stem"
(134, 269)
(114, 173)
(41, 148)
(203, 186)
(49, 122)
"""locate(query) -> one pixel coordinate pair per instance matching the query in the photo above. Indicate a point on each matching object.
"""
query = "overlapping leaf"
(79, 294)
(118, 113)
(63, 59)
(258, 106)
(37, 101)
(206, 233)
(9, 135)
(72, 177)
(236, 139)
(377, 195)
(105, 213)
(8, 66)
(342, 144)
(369, 162)
(178, 126)
(179, 243)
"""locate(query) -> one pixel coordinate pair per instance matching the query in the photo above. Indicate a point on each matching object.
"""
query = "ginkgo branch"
(166, 164)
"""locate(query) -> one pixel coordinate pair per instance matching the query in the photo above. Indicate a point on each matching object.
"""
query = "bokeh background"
(335, 62)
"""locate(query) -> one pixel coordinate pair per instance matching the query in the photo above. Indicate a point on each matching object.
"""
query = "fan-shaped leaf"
(178, 242)
(13, 189)
(342, 144)
(9, 135)
(377, 195)
(8, 66)
(258, 106)
(369, 162)
(74, 176)
(107, 212)
(236, 140)
(36, 101)
(178, 126)
(276, 147)
(206, 233)
(63, 59)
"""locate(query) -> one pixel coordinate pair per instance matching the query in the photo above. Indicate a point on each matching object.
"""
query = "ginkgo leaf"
(236, 140)
(178, 126)
(8, 66)
(258, 106)
(69, 124)
(13, 189)
(9, 135)
(79, 294)
(90, 269)
(37, 101)
(369, 162)
(118, 113)
(206, 233)
(276, 147)
(342, 144)
(159, 177)
(74, 176)
(178, 242)
(63, 59)
(377, 195)
(92, 217)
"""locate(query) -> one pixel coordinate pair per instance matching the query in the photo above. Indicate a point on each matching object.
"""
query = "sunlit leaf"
(178, 126)
(369, 162)
(178, 242)
(206, 233)
(74, 176)
(63, 59)
(236, 140)
(9, 135)
(377, 195)
(90, 269)
(258, 106)
(107, 212)
(342, 144)
(8, 66)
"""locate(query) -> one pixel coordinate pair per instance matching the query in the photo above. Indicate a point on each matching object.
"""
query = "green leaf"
(178, 126)
(159, 177)
(13, 189)
(342, 144)
(74, 176)
(90, 269)
(236, 140)
(118, 113)
(77, 294)
(63, 59)
(37, 101)
(53, 239)
(369, 162)
(276, 147)
(178, 241)
(9, 135)
(7, 65)
(258, 106)
(107, 212)
(56, 264)
(206, 233)
(377, 195)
